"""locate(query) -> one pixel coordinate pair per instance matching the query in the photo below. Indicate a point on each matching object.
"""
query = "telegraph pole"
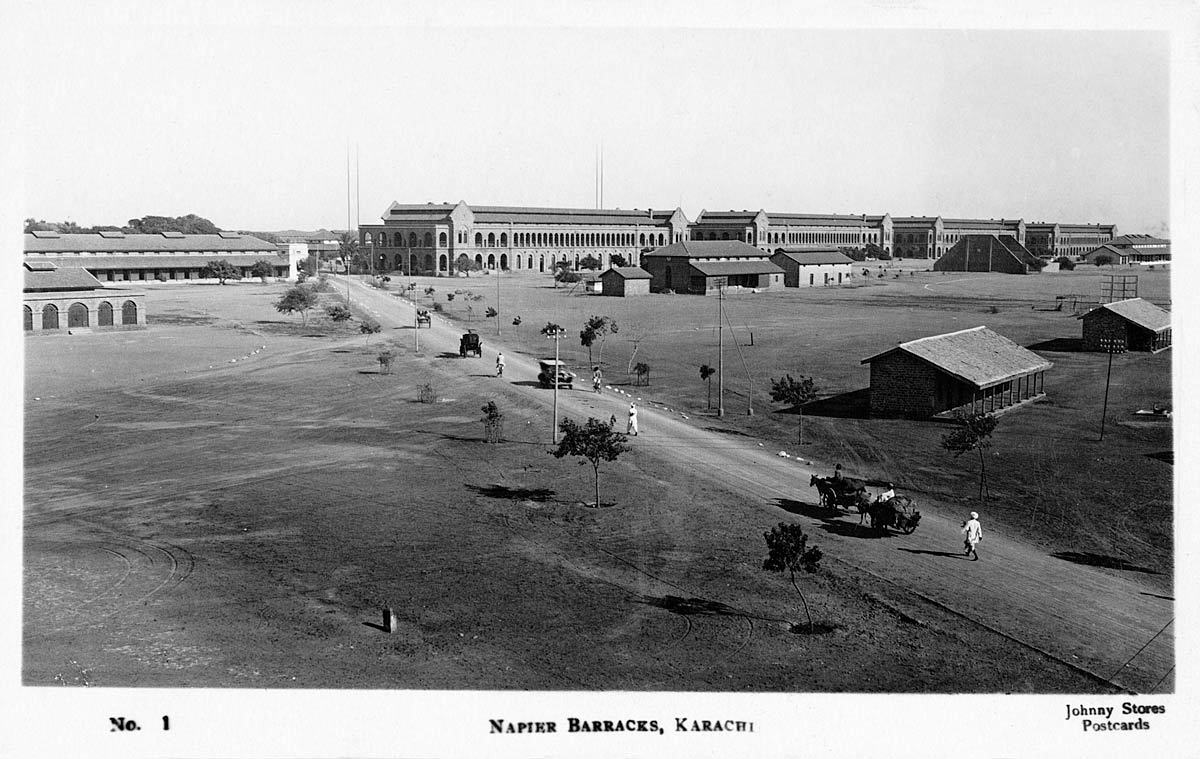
(720, 352)
(1109, 345)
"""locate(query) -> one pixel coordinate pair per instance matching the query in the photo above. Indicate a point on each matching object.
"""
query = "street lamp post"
(1109, 345)
(554, 332)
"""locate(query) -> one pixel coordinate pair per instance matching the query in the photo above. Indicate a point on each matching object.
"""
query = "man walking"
(632, 427)
(499, 364)
(974, 533)
(596, 378)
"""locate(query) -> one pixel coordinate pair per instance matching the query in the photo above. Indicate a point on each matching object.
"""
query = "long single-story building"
(1135, 324)
(625, 280)
(70, 299)
(1132, 249)
(120, 257)
(813, 267)
(696, 267)
(973, 369)
(998, 253)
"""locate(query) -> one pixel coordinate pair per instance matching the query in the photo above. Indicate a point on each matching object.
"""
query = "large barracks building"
(433, 238)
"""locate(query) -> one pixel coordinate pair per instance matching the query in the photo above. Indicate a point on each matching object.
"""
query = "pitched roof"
(1141, 312)
(978, 356)
(823, 220)
(992, 244)
(813, 257)
(725, 268)
(707, 249)
(1125, 240)
(628, 272)
(725, 217)
(74, 278)
(148, 262)
(435, 212)
(67, 243)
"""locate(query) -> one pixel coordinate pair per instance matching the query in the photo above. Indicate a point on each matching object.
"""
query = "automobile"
(551, 369)
(470, 343)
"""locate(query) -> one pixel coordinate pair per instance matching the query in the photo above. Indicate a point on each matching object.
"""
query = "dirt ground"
(230, 499)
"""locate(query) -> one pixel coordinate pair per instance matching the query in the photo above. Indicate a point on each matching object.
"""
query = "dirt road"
(1099, 622)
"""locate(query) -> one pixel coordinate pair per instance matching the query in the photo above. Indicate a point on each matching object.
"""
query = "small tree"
(491, 313)
(449, 297)
(1064, 263)
(1103, 259)
(262, 269)
(338, 313)
(493, 422)
(220, 271)
(974, 433)
(795, 393)
(593, 442)
(430, 291)
(787, 548)
(368, 328)
(385, 362)
(297, 299)
(517, 321)
(348, 248)
(706, 373)
(596, 327)
(589, 262)
(642, 370)
(618, 260)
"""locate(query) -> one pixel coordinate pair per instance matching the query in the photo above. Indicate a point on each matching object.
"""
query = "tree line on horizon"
(191, 224)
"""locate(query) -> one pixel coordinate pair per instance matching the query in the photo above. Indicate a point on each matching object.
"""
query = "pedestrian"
(499, 364)
(974, 533)
(612, 421)
(632, 428)
(596, 378)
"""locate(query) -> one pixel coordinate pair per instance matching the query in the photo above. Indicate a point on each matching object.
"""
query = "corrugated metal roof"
(1138, 240)
(140, 243)
(590, 216)
(60, 279)
(135, 262)
(823, 220)
(814, 257)
(724, 268)
(978, 355)
(1141, 312)
(708, 249)
(628, 272)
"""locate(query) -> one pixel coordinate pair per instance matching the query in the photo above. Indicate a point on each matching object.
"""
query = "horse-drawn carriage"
(424, 319)
(847, 494)
(469, 344)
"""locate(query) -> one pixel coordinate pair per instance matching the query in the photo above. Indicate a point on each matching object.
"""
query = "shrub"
(1064, 263)
(160, 277)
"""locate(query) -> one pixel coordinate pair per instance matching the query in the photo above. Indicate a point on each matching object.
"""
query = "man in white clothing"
(632, 428)
(974, 533)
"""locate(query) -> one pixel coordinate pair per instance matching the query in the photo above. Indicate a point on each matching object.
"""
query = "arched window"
(442, 262)
(724, 235)
(367, 239)
(491, 261)
(50, 316)
(429, 241)
(27, 312)
(412, 239)
(660, 239)
(441, 239)
(77, 316)
(642, 239)
(491, 239)
(129, 312)
(529, 262)
(479, 259)
(504, 261)
(478, 239)
(503, 239)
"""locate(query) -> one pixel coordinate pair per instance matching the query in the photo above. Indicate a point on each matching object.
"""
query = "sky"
(251, 121)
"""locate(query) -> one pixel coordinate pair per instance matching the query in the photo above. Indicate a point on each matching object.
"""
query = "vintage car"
(423, 318)
(470, 343)
(552, 370)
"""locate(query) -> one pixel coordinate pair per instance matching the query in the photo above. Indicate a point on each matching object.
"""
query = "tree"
(338, 313)
(188, 225)
(642, 370)
(589, 262)
(464, 263)
(974, 433)
(787, 548)
(1103, 259)
(493, 422)
(385, 362)
(706, 373)
(262, 269)
(297, 299)
(1064, 263)
(563, 273)
(368, 328)
(593, 442)
(871, 250)
(220, 271)
(348, 248)
(795, 393)
(596, 327)
(491, 313)
(616, 259)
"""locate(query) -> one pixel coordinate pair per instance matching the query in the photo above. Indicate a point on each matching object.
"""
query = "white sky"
(244, 117)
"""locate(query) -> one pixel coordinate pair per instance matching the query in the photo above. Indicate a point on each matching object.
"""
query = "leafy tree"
(589, 262)
(642, 370)
(369, 327)
(854, 254)
(449, 297)
(795, 393)
(491, 313)
(348, 249)
(463, 263)
(596, 327)
(430, 291)
(298, 299)
(385, 362)
(220, 271)
(1064, 263)
(338, 313)
(517, 321)
(974, 433)
(706, 373)
(618, 260)
(262, 269)
(1103, 259)
(493, 422)
(594, 442)
(787, 548)
(188, 225)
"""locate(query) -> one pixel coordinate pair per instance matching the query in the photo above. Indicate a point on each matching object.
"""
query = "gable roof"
(73, 278)
(991, 244)
(1129, 240)
(1141, 312)
(978, 356)
(707, 249)
(167, 241)
(627, 272)
(725, 268)
(814, 257)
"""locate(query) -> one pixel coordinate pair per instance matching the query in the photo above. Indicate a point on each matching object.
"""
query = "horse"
(826, 491)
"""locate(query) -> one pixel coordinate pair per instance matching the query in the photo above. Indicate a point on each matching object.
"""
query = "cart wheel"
(909, 529)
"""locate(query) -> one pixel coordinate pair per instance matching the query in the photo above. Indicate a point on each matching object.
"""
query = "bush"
(1064, 263)
(385, 362)
(160, 277)
(338, 313)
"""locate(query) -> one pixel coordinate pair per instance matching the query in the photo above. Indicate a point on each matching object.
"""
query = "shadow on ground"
(831, 521)
(540, 495)
(1096, 560)
(950, 554)
(1167, 457)
(1059, 345)
(853, 405)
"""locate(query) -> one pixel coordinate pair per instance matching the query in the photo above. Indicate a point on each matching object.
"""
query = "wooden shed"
(625, 280)
(974, 369)
(1138, 324)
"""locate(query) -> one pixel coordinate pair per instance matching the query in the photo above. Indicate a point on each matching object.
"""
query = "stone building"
(625, 280)
(1050, 240)
(699, 268)
(769, 231)
(975, 369)
(933, 236)
(999, 253)
(433, 238)
(1136, 324)
(120, 257)
(70, 299)
(813, 268)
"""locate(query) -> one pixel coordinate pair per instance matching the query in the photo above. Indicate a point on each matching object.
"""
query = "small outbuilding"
(975, 369)
(1136, 323)
(998, 253)
(702, 267)
(69, 299)
(622, 281)
(813, 267)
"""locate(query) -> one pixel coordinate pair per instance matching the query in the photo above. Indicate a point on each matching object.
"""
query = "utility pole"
(1109, 345)
(555, 333)
(720, 352)
(498, 297)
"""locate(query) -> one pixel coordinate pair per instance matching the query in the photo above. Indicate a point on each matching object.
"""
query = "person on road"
(612, 421)
(499, 364)
(596, 378)
(886, 495)
(974, 533)
(631, 429)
